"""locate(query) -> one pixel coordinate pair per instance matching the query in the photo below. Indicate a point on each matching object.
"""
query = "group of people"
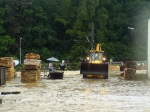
(62, 66)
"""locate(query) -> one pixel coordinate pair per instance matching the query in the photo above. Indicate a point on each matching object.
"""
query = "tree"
(139, 14)
(5, 39)
(60, 27)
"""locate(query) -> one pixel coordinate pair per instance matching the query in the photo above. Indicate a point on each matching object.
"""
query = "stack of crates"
(129, 70)
(129, 73)
(31, 66)
(8, 63)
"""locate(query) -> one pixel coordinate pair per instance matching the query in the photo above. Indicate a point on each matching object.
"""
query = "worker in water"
(50, 66)
(62, 65)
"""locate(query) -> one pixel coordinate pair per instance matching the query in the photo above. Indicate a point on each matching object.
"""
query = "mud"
(74, 94)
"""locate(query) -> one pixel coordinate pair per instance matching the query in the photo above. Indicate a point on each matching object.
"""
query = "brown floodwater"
(74, 94)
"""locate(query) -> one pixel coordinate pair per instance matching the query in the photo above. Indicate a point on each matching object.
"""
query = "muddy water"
(74, 94)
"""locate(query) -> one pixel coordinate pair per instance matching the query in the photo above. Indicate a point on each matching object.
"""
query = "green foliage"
(117, 50)
(60, 28)
(73, 66)
(77, 53)
(6, 43)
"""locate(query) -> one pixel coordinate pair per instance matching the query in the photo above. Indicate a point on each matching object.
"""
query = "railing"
(121, 62)
(141, 62)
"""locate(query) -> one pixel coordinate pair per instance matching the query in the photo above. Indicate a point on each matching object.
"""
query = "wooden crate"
(56, 75)
(38, 73)
(141, 67)
(10, 73)
(32, 56)
(114, 67)
(144, 67)
(33, 62)
(31, 67)
(138, 67)
(129, 73)
(6, 61)
(29, 76)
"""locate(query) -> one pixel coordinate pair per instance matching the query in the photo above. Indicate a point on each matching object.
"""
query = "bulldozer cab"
(96, 57)
(94, 65)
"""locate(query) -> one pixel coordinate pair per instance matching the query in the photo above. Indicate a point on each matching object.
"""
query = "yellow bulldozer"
(95, 64)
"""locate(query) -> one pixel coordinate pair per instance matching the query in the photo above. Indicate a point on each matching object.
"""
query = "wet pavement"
(74, 94)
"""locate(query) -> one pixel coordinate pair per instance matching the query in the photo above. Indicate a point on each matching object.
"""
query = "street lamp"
(20, 50)
(148, 49)
(130, 28)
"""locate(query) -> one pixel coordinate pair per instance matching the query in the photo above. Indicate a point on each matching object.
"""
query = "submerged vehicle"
(95, 64)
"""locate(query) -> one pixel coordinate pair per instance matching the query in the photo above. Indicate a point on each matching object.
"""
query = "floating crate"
(31, 67)
(130, 64)
(129, 73)
(10, 73)
(30, 76)
(114, 67)
(138, 67)
(141, 67)
(38, 73)
(32, 56)
(56, 75)
(6, 61)
(33, 62)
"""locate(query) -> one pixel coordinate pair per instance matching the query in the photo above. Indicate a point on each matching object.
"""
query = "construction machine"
(95, 64)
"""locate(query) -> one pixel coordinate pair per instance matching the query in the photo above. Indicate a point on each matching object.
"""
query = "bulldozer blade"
(94, 69)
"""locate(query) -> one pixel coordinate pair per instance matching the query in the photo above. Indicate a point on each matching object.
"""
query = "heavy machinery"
(95, 64)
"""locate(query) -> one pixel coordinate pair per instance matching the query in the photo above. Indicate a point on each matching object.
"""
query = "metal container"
(2, 76)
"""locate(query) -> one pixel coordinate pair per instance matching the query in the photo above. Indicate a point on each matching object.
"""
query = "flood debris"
(5, 93)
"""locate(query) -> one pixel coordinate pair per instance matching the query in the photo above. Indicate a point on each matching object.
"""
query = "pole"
(148, 51)
(20, 50)
(148, 48)
(92, 36)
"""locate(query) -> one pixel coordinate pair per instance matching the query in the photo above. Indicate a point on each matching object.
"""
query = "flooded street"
(74, 94)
